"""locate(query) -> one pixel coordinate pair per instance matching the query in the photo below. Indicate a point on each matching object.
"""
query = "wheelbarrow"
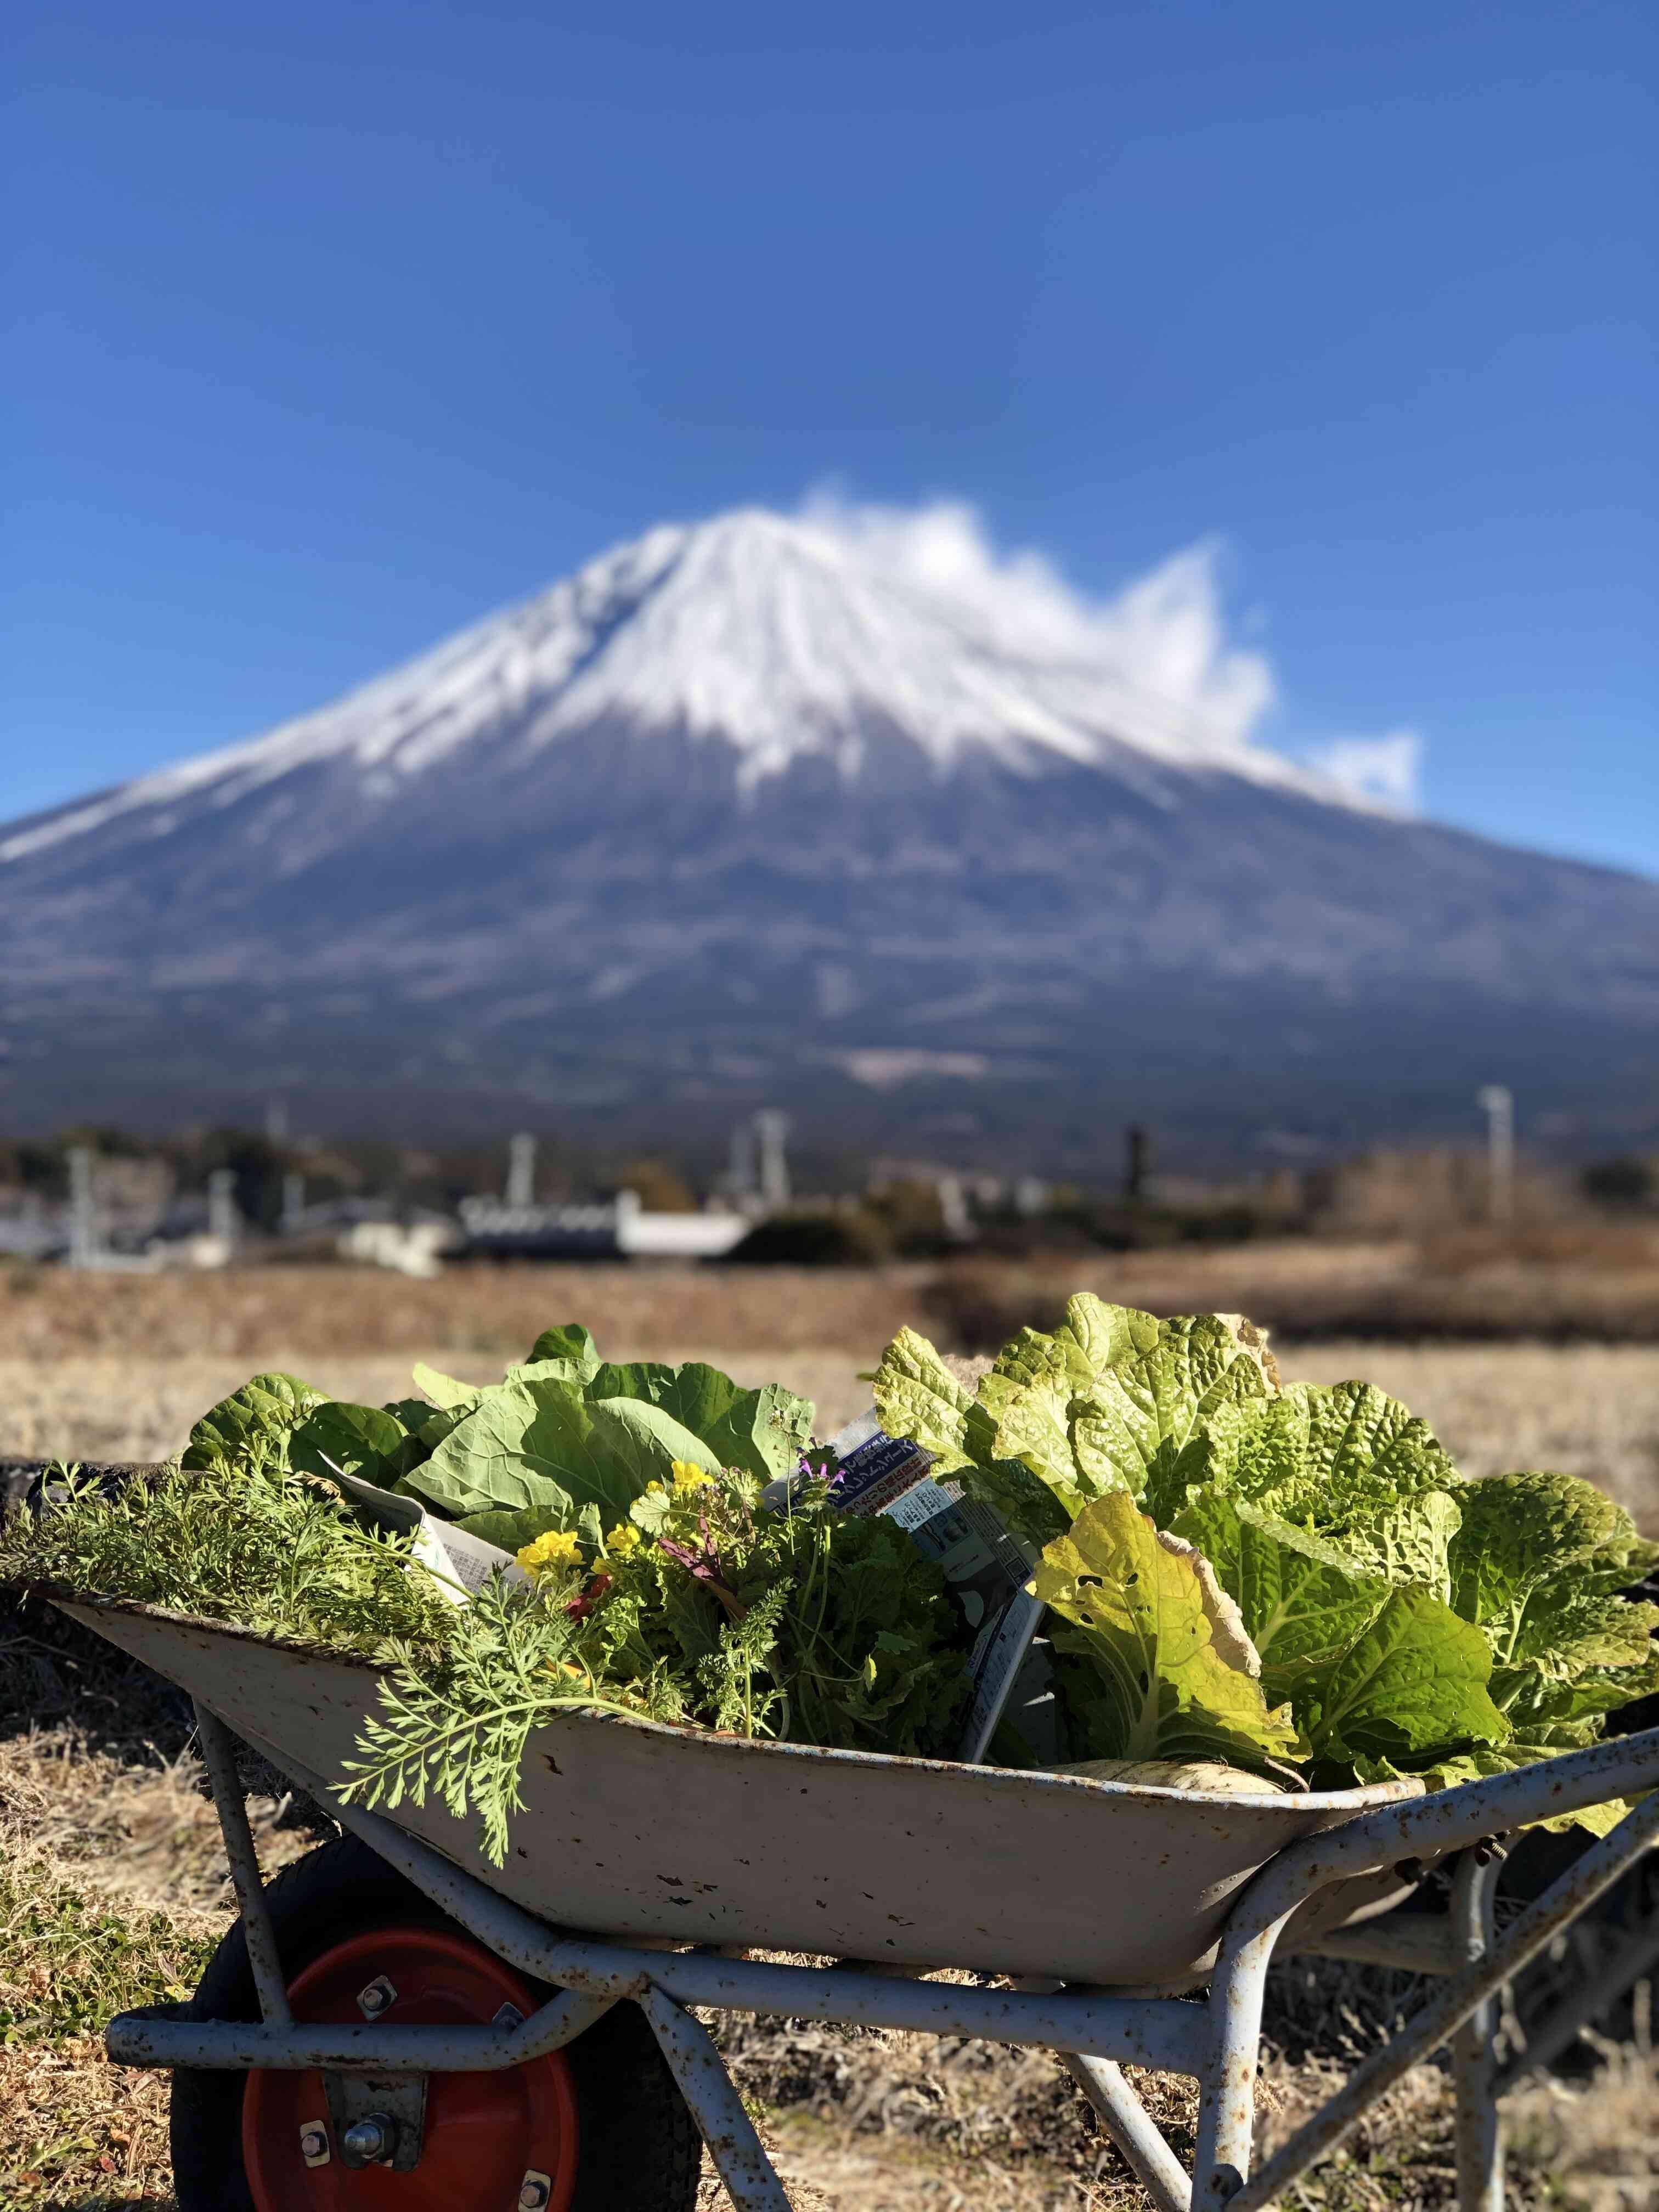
(395, 2023)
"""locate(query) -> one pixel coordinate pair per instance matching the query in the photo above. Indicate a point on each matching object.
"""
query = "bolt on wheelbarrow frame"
(1215, 2040)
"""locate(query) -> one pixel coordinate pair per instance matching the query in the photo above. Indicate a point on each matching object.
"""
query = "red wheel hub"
(484, 2132)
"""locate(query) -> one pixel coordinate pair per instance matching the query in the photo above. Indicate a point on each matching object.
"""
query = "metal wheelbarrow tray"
(1095, 1899)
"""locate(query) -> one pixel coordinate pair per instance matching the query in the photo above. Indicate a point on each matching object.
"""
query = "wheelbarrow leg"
(739, 2154)
(1131, 2128)
(1226, 2089)
(1474, 2069)
(219, 1756)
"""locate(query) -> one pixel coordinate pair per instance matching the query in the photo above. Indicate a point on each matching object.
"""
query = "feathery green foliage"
(256, 1544)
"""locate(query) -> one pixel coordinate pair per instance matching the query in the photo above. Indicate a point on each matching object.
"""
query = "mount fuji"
(837, 812)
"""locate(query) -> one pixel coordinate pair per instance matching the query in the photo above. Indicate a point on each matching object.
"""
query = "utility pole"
(1498, 1102)
(521, 1169)
(223, 1219)
(82, 1215)
(742, 1172)
(771, 1127)
(294, 1202)
(1136, 1148)
(953, 1213)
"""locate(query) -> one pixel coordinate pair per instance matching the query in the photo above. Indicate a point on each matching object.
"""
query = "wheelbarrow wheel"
(603, 2119)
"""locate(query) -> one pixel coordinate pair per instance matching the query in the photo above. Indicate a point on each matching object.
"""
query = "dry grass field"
(111, 1887)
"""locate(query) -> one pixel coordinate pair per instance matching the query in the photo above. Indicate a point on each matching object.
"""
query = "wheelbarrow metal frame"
(1215, 2040)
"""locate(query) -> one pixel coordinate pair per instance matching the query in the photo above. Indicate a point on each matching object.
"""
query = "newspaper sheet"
(461, 1565)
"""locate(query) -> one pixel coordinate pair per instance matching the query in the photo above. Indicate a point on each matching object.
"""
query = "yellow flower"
(622, 1539)
(653, 1490)
(688, 1478)
(555, 1549)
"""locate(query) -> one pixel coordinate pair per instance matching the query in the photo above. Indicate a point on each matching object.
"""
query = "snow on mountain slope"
(840, 812)
(782, 638)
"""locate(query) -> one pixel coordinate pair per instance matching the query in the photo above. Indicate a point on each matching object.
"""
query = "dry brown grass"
(1562, 1288)
(1573, 1281)
(487, 1315)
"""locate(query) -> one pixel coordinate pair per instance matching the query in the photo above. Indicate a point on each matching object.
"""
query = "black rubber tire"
(639, 2148)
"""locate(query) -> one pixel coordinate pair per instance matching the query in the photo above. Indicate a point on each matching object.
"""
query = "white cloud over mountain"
(1162, 642)
(1388, 770)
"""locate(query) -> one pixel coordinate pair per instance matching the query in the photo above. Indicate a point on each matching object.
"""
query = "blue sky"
(330, 329)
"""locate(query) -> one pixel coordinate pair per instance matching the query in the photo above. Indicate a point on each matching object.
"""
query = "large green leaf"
(445, 1392)
(765, 1430)
(568, 1341)
(531, 1444)
(761, 1430)
(1303, 1603)
(1363, 1662)
(917, 1396)
(641, 1442)
(1333, 1458)
(1146, 1424)
(1415, 1680)
(1538, 1564)
(258, 1418)
(355, 1439)
(1174, 1675)
(1529, 1543)
(1095, 1336)
(1034, 1427)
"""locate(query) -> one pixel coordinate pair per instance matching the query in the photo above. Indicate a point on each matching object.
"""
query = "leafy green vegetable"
(444, 1390)
(259, 1419)
(764, 1431)
(354, 1439)
(538, 1449)
(571, 1342)
(1398, 1613)
(1173, 1674)
(1414, 1681)
(804, 1624)
(1336, 1460)
(1538, 1564)
(567, 1441)
(1369, 1668)
(1113, 1400)
(250, 1542)
(916, 1395)
(1302, 1602)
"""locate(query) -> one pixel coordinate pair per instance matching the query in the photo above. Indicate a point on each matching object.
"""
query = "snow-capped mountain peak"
(782, 637)
(840, 814)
